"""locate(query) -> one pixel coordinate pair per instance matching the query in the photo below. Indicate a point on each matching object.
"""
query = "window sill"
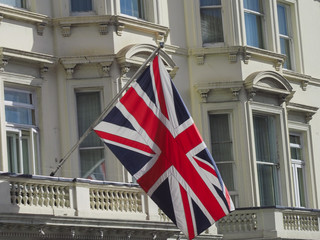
(104, 21)
(246, 53)
(23, 15)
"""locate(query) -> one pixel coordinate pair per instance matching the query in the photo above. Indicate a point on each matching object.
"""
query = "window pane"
(265, 139)
(254, 5)
(209, 2)
(220, 137)
(211, 25)
(268, 182)
(301, 187)
(14, 3)
(132, 8)
(92, 164)
(19, 115)
(18, 97)
(81, 5)
(226, 171)
(282, 20)
(253, 30)
(88, 110)
(25, 156)
(285, 49)
(13, 152)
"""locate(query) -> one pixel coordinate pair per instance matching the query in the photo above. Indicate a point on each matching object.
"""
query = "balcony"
(35, 207)
(271, 223)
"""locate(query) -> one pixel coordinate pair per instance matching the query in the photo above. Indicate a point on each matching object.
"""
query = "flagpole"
(107, 109)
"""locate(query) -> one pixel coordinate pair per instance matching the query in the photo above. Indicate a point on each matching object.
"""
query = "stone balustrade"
(271, 222)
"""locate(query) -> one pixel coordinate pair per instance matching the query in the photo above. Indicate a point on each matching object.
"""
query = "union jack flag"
(151, 132)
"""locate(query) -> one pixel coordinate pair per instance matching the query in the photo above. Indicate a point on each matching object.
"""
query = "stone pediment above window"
(204, 89)
(104, 62)
(41, 21)
(43, 61)
(268, 82)
(133, 56)
(303, 110)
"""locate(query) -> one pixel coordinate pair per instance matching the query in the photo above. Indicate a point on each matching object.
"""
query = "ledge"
(246, 53)
(204, 88)
(25, 16)
(104, 21)
(69, 63)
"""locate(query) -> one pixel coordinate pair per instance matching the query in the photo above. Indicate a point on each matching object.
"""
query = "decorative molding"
(104, 21)
(200, 59)
(124, 70)
(25, 16)
(119, 29)
(3, 63)
(69, 63)
(204, 88)
(269, 82)
(308, 111)
(103, 28)
(246, 52)
(42, 60)
(298, 77)
(66, 30)
(40, 28)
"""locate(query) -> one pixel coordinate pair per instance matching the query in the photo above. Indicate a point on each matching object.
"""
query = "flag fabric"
(151, 132)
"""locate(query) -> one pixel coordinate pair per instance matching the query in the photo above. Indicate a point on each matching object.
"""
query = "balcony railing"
(271, 223)
(64, 206)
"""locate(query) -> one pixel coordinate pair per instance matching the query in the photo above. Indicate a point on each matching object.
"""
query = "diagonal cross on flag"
(151, 132)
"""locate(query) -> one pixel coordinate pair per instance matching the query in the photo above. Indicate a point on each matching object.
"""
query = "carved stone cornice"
(246, 53)
(204, 88)
(308, 111)
(298, 77)
(44, 61)
(22, 15)
(104, 61)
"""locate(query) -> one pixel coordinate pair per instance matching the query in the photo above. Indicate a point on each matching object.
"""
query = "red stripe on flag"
(187, 213)
(124, 141)
(157, 79)
(206, 167)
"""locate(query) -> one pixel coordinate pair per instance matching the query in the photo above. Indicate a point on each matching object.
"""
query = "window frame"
(82, 13)
(283, 151)
(230, 108)
(262, 16)
(299, 163)
(288, 37)
(208, 44)
(274, 164)
(32, 136)
(98, 147)
(233, 193)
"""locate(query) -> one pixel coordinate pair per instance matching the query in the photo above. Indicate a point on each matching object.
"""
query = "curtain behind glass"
(91, 149)
(222, 147)
(81, 5)
(211, 25)
(253, 30)
(88, 110)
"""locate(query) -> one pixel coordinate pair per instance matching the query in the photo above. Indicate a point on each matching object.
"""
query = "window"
(253, 14)
(14, 3)
(81, 5)
(211, 21)
(267, 159)
(22, 133)
(91, 150)
(284, 33)
(222, 148)
(298, 172)
(134, 8)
